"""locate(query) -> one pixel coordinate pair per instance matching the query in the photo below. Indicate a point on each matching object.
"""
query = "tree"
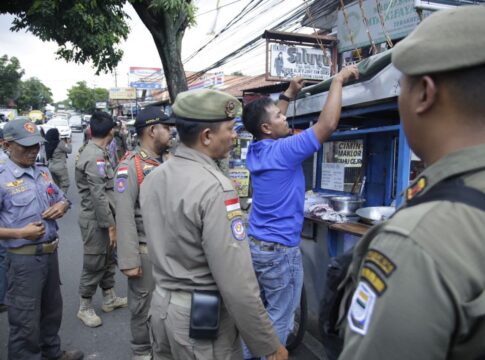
(10, 75)
(84, 98)
(34, 95)
(92, 30)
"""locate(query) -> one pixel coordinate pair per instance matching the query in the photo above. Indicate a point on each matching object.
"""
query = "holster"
(204, 314)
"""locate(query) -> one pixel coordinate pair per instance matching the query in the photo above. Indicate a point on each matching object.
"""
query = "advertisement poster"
(240, 180)
(288, 61)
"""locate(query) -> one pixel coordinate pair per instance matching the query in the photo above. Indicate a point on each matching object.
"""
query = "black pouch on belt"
(204, 314)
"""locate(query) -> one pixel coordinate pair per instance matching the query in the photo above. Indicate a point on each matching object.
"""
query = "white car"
(62, 124)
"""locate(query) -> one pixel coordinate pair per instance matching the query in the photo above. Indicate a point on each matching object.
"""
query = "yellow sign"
(122, 93)
(240, 180)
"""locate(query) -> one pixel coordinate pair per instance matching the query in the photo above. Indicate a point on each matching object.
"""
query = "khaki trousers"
(139, 298)
(169, 327)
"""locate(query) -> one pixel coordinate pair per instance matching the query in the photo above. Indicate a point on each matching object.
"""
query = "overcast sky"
(38, 59)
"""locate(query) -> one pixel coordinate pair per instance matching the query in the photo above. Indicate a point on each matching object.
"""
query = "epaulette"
(128, 156)
(223, 180)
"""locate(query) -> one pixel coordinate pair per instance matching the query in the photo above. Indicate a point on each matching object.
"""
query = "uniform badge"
(373, 279)
(29, 127)
(120, 184)
(230, 109)
(414, 190)
(381, 261)
(361, 308)
(100, 164)
(233, 214)
(122, 172)
(238, 230)
(232, 204)
(50, 190)
(45, 176)
(15, 183)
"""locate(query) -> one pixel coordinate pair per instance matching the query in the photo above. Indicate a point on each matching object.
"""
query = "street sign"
(145, 85)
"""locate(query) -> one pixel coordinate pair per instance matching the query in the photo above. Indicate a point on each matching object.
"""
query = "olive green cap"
(446, 40)
(206, 106)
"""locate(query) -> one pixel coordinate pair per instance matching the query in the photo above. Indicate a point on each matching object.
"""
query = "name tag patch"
(238, 229)
(361, 308)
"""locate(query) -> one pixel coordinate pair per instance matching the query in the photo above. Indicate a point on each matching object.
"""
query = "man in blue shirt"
(275, 162)
(30, 204)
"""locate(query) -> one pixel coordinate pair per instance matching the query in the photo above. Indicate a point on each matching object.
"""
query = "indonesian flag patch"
(122, 172)
(232, 204)
(100, 164)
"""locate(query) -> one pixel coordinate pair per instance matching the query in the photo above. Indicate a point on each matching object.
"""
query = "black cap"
(152, 115)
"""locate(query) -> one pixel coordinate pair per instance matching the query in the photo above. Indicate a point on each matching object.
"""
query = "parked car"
(76, 123)
(61, 123)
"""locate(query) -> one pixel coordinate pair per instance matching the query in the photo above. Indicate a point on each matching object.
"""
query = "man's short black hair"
(255, 114)
(189, 130)
(101, 124)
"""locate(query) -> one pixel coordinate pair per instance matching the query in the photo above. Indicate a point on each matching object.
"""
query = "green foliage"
(34, 95)
(175, 8)
(84, 99)
(84, 30)
(10, 75)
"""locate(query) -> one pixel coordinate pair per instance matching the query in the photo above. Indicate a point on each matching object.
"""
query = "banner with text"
(288, 61)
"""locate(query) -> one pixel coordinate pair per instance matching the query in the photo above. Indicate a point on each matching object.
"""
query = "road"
(111, 340)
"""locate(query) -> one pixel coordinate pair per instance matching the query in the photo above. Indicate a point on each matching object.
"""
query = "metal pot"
(375, 214)
(346, 205)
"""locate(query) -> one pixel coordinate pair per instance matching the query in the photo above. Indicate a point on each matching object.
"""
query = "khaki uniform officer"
(421, 285)
(94, 180)
(197, 241)
(153, 130)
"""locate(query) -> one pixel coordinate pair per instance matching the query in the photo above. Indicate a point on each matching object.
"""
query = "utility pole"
(116, 77)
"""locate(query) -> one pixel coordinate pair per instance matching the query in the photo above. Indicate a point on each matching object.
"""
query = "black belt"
(266, 245)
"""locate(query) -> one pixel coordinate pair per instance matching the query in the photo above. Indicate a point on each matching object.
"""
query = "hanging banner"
(145, 78)
(288, 61)
(400, 18)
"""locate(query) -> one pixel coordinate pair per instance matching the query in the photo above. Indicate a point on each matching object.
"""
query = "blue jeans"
(3, 273)
(280, 277)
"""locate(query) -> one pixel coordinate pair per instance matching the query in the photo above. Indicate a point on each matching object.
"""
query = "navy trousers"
(34, 306)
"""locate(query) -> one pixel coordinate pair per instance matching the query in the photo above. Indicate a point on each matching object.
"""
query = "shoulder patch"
(238, 229)
(101, 165)
(381, 261)
(120, 184)
(122, 172)
(416, 188)
(373, 279)
(361, 308)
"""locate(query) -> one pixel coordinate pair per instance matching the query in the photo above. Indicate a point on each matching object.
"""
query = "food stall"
(366, 163)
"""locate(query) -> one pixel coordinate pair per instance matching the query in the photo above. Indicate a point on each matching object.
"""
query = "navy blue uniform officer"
(30, 204)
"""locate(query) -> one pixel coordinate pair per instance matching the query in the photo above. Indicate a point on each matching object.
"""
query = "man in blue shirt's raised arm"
(275, 162)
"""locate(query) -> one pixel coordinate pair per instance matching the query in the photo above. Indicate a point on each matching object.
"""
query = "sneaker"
(87, 314)
(112, 302)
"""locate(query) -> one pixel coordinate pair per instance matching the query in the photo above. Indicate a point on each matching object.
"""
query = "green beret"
(445, 41)
(206, 105)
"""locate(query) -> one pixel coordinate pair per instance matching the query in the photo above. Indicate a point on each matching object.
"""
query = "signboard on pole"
(287, 61)
(101, 105)
(127, 93)
(148, 78)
